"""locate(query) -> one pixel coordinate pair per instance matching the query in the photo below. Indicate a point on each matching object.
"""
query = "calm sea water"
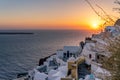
(20, 53)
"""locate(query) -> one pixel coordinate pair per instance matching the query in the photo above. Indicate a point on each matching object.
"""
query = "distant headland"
(15, 33)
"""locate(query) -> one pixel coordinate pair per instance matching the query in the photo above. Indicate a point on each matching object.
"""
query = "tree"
(108, 20)
(113, 63)
(118, 8)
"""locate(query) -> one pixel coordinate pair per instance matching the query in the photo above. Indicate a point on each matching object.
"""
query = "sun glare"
(95, 25)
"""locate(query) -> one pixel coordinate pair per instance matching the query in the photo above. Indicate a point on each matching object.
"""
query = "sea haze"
(20, 53)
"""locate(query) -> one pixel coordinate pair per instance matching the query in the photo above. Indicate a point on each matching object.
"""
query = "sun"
(95, 25)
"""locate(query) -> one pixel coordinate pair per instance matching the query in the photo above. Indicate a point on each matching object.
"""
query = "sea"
(20, 53)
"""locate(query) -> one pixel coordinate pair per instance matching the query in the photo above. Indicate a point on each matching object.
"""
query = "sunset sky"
(51, 14)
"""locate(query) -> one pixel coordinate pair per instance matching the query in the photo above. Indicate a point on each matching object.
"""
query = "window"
(90, 56)
(70, 54)
(98, 57)
(67, 53)
(69, 72)
(64, 55)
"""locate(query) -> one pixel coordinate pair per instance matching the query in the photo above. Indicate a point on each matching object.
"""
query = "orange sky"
(54, 14)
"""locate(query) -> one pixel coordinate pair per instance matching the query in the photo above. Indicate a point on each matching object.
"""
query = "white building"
(110, 29)
(69, 51)
(88, 53)
(59, 53)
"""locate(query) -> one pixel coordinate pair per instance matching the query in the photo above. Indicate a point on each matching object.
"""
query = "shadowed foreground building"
(76, 69)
